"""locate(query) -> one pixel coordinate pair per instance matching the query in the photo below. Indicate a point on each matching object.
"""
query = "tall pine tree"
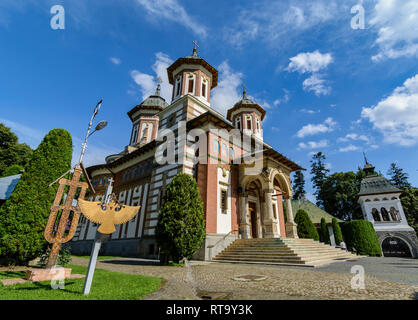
(299, 185)
(398, 177)
(319, 174)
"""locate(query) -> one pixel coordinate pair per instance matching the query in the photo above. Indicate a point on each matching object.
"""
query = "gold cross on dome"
(195, 44)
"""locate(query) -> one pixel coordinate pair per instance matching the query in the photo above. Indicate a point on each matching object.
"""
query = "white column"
(291, 230)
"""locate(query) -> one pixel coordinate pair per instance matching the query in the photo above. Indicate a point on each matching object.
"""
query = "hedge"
(338, 236)
(324, 232)
(361, 236)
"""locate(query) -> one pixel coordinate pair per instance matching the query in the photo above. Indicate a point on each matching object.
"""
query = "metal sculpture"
(57, 237)
(107, 215)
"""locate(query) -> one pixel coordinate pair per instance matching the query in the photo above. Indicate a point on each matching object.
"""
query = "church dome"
(154, 102)
(245, 103)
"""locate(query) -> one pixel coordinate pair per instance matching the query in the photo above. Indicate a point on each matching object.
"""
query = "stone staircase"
(283, 251)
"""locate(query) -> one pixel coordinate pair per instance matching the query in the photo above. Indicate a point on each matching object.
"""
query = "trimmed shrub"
(305, 227)
(338, 236)
(361, 236)
(324, 231)
(181, 225)
(24, 215)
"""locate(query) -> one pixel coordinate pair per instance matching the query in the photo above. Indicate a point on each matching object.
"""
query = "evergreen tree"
(306, 229)
(11, 151)
(324, 231)
(338, 236)
(181, 225)
(398, 177)
(12, 170)
(319, 173)
(338, 194)
(299, 185)
(24, 215)
(409, 200)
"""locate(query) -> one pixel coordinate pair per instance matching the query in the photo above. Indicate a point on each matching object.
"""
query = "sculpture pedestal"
(48, 274)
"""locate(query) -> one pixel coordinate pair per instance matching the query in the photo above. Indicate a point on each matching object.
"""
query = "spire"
(368, 168)
(195, 48)
(365, 159)
(244, 91)
(157, 92)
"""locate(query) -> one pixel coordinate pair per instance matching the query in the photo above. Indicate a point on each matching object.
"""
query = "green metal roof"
(375, 184)
(315, 213)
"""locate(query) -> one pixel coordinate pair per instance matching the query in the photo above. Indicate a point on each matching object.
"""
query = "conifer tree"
(324, 231)
(299, 186)
(24, 215)
(306, 229)
(398, 177)
(338, 236)
(319, 174)
(181, 225)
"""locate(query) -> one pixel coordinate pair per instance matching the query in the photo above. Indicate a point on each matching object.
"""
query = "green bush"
(12, 170)
(324, 231)
(338, 236)
(24, 215)
(305, 227)
(64, 256)
(361, 236)
(181, 226)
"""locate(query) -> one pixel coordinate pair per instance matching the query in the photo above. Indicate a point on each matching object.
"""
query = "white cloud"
(286, 98)
(310, 111)
(348, 148)
(397, 24)
(396, 116)
(311, 129)
(354, 136)
(313, 144)
(148, 83)
(174, 11)
(25, 133)
(227, 93)
(316, 84)
(116, 61)
(276, 21)
(309, 62)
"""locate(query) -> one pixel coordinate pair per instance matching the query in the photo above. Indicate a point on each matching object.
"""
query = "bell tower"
(145, 118)
(247, 116)
(192, 75)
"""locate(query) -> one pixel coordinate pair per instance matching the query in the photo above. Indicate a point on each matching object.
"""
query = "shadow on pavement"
(133, 262)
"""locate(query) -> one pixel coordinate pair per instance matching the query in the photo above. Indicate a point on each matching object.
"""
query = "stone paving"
(282, 283)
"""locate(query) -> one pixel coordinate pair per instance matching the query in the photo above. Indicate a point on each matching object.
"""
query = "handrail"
(223, 238)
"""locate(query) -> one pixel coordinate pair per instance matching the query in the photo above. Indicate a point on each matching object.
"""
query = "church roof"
(315, 213)
(375, 184)
(154, 102)
(7, 185)
(245, 103)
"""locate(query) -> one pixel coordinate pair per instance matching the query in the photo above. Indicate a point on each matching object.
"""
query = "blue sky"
(326, 86)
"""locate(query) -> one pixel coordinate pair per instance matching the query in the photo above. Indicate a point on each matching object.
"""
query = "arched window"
(224, 150)
(367, 200)
(385, 214)
(249, 122)
(238, 123)
(190, 83)
(258, 125)
(375, 214)
(394, 214)
(385, 199)
(134, 135)
(144, 133)
(204, 87)
(178, 86)
(394, 198)
(231, 153)
(376, 199)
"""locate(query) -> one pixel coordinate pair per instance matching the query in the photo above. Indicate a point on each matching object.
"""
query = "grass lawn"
(106, 285)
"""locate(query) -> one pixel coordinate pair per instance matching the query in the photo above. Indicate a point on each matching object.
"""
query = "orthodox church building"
(381, 205)
(240, 199)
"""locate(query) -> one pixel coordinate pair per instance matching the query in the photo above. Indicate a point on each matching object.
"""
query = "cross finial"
(244, 91)
(195, 48)
(365, 159)
(159, 80)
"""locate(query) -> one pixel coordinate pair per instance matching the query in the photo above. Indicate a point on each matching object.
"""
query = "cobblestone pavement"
(282, 283)
(400, 270)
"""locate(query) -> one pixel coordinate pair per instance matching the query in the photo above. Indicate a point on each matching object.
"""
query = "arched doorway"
(395, 247)
(254, 214)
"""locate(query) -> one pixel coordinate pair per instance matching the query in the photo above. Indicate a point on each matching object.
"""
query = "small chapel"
(381, 205)
(237, 202)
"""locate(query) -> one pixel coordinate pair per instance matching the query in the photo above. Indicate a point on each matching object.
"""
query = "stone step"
(252, 259)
